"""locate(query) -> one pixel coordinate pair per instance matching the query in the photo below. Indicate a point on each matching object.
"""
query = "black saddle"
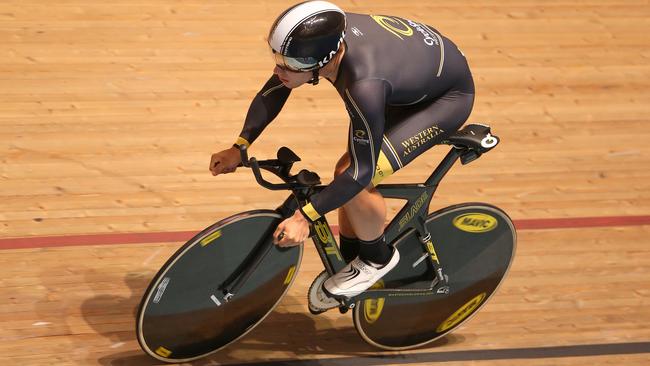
(475, 139)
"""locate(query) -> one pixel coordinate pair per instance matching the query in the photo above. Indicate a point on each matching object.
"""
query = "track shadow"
(113, 316)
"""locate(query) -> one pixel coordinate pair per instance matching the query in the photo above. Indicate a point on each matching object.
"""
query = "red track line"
(578, 222)
(181, 236)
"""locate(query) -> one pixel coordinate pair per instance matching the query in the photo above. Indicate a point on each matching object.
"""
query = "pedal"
(317, 301)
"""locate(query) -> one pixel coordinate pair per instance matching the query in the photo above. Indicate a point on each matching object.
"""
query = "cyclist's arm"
(366, 103)
(263, 109)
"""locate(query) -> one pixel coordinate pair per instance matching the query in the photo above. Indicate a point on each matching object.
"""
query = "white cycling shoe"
(357, 277)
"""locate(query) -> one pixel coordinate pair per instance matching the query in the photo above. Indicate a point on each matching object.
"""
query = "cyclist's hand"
(225, 161)
(295, 230)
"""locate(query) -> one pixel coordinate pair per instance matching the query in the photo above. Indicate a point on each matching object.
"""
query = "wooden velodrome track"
(109, 112)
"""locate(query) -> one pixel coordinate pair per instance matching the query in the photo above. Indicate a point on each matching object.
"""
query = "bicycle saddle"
(474, 137)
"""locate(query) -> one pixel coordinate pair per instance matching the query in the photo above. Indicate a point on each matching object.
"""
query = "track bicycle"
(225, 280)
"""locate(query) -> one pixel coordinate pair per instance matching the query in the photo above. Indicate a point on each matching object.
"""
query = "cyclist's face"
(292, 79)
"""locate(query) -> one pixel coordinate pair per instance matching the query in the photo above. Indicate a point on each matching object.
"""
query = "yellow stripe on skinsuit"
(383, 169)
(393, 151)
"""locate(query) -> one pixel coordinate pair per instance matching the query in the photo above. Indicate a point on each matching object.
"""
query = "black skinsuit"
(405, 86)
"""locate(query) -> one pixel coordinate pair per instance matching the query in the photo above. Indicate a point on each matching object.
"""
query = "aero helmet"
(306, 36)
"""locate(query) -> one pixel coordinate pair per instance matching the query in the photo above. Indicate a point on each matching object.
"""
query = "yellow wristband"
(242, 141)
(311, 213)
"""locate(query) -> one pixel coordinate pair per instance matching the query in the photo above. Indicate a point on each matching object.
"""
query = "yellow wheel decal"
(372, 307)
(462, 313)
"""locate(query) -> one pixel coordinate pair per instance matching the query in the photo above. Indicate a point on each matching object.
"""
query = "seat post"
(444, 166)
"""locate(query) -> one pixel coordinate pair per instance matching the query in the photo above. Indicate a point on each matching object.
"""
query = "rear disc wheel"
(475, 243)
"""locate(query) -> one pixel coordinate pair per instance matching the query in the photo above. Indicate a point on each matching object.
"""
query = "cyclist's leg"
(345, 228)
(412, 131)
(361, 219)
(365, 213)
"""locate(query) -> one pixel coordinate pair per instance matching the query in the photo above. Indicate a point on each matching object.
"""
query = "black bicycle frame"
(411, 216)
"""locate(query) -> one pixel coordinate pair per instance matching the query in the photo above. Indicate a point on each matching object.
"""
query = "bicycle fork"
(231, 286)
(236, 281)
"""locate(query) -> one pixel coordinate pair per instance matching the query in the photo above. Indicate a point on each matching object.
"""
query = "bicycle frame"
(411, 216)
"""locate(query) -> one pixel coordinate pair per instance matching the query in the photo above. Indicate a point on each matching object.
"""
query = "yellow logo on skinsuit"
(372, 307)
(391, 24)
(475, 222)
(461, 313)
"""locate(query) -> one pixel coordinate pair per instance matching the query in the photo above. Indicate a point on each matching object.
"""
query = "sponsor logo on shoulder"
(356, 32)
(475, 222)
(429, 39)
(360, 137)
(394, 25)
(398, 28)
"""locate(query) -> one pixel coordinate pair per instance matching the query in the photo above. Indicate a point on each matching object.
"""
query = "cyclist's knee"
(343, 164)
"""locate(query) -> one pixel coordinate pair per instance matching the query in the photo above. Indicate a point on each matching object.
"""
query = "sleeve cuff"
(242, 141)
(309, 212)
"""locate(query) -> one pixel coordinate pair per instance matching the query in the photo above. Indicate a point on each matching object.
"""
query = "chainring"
(318, 301)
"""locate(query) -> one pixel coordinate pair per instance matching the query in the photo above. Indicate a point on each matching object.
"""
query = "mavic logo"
(475, 222)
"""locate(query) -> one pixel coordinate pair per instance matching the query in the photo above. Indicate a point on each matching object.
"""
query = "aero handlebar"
(280, 167)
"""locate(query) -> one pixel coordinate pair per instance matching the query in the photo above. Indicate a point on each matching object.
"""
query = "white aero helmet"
(306, 36)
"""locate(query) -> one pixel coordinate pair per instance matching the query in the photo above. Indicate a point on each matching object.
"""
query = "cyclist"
(405, 87)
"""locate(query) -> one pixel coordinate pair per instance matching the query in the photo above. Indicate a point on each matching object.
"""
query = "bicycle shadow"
(287, 333)
(107, 314)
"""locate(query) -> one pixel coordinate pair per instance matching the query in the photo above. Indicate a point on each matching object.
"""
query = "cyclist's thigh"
(410, 131)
